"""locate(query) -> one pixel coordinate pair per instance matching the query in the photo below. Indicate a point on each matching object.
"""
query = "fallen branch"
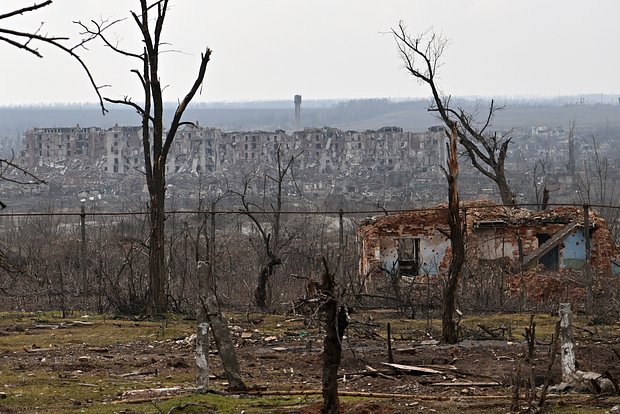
(489, 331)
(137, 373)
(374, 372)
(466, 384)
(184, 406)
(410, 396)
(37, 350)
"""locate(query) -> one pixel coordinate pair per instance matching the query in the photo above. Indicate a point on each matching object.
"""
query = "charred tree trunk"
(260, 293)
(156, 144)
(449, 329)
(545, 199)
(505, 192)
(336, 322)
(157, 270)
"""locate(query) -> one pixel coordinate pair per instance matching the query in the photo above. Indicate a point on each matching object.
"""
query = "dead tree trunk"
(157, 269)
(567, 344)
(150, 21)
(449, 328)
(260, 293)
(336, 322)
(221, 335)
(202, 348)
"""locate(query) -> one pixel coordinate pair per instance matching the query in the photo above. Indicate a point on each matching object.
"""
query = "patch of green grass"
(22, 331)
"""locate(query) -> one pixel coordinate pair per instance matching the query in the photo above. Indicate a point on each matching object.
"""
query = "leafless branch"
(421, 56)
(23, 39)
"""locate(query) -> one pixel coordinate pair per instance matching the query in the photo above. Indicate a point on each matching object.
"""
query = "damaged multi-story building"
(514, 239)
(203, 149)
(369, 164)
(49, 146)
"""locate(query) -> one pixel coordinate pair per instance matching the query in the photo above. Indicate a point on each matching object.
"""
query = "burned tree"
(487, 150)
(267, 222)
(449, 328)
(336, 322)
(459, 127)
(156, 142)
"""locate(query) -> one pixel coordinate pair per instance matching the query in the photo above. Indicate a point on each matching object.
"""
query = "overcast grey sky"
(273, 49)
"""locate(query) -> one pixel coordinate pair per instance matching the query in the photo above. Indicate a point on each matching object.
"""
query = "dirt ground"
(91, 365)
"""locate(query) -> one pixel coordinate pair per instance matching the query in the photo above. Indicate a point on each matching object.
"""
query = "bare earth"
(283, 355)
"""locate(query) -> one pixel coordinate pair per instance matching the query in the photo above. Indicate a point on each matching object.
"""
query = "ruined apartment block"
(123, 149)
(203, 150)
(50, 146)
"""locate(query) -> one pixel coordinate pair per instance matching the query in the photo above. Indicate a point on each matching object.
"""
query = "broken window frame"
(409, 256)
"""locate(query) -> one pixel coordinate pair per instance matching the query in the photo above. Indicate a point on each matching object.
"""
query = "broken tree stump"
(581, 381)
(221, 336)
(567, 342)
(202, 348)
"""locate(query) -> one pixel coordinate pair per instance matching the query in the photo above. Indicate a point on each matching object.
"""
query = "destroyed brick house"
(416, 242)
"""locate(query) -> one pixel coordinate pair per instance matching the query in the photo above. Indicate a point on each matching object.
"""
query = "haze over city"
(331, 50)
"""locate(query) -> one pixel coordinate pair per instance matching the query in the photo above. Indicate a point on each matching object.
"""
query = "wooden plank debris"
(412, 369)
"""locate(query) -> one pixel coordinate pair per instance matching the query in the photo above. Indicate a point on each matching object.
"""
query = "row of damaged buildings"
(203, 149)
(516, 241)
(339, 166)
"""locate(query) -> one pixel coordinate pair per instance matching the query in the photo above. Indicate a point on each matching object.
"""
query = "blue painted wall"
(574, 251)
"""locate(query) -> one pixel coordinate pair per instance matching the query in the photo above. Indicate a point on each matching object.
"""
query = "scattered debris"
(466, 384)
(139, 396)
(97, 349)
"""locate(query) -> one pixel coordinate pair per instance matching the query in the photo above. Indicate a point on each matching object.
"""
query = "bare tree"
(270, 233)
(428, 48)
(156, 142)
(487, 150)
(571, 147)
(595, 186)
(539, 181)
